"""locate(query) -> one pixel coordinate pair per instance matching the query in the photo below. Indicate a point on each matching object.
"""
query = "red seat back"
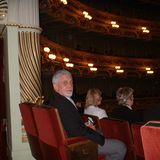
(151, 140)
(50, 133)
(138, 148)
(53, 139)
(118, 129)
(31, 129)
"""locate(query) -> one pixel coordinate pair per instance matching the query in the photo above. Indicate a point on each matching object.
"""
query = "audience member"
(125, 109)
(72, 121)
(93, 100)
(80, 108)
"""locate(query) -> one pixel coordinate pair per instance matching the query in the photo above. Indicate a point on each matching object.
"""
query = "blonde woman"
(93, 100)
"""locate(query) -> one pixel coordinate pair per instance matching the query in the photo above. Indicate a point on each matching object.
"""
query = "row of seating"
(47, 137)
(142, 140)
(122, 130)
(151, 140)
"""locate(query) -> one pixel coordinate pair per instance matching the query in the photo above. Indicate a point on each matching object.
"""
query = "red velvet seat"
(31, 130)
(138, 148)
(118, 129)
(151, 140)
(51, 133)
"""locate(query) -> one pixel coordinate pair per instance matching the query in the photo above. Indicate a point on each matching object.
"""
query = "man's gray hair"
(57, 75)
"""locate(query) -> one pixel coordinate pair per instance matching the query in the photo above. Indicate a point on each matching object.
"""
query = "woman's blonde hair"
(91, 98)
(123, 94)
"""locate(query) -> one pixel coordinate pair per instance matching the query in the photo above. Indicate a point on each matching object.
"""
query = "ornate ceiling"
(66, 28)
(72, 15)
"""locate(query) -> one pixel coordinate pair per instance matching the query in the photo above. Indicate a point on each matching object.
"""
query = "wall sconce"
(2, 16)
(52, 56)
(120, 71)
(94, 69)
(3, 9)
(150, 72)
(46, 49)
(114, 24)
(64, 2)
(69, 65)
(145, 30)
(90, 64)
(66, 59)
(117, 67)
(86, 15)
(148, 68)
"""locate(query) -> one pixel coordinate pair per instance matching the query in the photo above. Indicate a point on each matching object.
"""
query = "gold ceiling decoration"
(104, 64)
(101, 21)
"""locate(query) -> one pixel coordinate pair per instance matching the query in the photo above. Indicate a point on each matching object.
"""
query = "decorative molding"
(72, 14)
(105, 64)
(25, 27)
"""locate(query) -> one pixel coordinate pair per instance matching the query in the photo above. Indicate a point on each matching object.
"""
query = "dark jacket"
(124, 113)
(71, 119)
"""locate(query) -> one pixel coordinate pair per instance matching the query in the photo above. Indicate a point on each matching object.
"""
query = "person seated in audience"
(125, 109)
(93, 100)
(80, 108)
(73, 122)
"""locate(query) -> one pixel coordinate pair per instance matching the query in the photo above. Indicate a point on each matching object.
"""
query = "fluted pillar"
(27, 20)
(22, 69)
(30, 70)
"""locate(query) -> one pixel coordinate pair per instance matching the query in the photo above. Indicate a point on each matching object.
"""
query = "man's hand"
(90, 125)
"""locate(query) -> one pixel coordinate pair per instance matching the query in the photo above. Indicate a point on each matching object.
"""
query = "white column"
(17, 149)
(22, 18)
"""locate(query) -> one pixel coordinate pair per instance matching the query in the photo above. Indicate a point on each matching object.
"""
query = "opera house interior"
(104, 44)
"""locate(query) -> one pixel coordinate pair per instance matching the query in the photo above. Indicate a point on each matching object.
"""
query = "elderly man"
(72, 121)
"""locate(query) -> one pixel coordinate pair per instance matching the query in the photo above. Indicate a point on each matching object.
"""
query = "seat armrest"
(75, 140)
(83, 149)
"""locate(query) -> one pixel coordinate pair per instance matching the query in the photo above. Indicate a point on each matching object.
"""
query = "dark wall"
(143, 87)
(2, 85)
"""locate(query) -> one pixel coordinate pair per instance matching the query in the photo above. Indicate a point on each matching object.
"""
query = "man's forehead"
(65, 77)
